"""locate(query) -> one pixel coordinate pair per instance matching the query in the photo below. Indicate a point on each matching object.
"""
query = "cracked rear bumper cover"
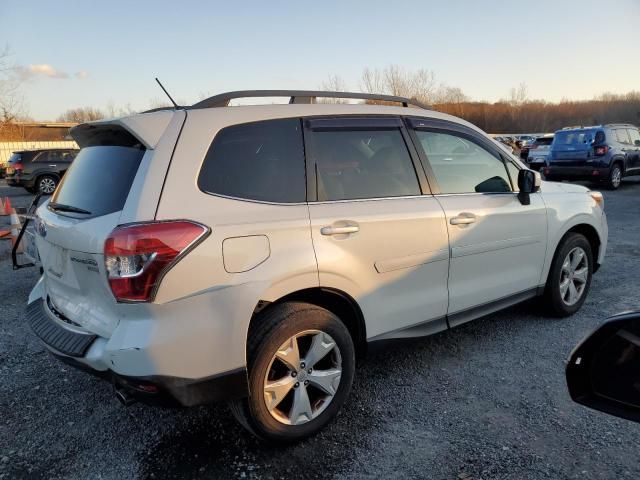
(71, 347)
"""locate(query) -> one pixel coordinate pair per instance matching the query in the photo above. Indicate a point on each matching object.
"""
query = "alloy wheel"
(303, 377)
(573, 276)
(47, 185)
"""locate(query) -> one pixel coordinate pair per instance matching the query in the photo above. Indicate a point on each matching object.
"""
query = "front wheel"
(301, 366)
(47, 184)
(570, 276)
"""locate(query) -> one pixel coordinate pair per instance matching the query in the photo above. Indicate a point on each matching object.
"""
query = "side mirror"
(603, 372)
(529, 182)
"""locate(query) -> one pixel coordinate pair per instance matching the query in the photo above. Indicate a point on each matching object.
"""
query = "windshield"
(99, 180)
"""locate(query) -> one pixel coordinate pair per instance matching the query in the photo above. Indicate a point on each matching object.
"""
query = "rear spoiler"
(144, 129)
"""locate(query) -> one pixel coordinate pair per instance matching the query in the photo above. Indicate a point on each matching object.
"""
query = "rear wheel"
(46, 184)
(301, 366)
(615, 177)
(570, 276)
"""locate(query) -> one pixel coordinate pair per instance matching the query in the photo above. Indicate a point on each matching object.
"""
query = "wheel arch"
(620, 160)
(591, 234)
(340, 303)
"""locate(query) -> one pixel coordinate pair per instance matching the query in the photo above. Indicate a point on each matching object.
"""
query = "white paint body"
(406, 265)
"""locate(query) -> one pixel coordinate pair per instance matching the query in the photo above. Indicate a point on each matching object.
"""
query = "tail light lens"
(17, 166)
(601, 150)
(138, 256)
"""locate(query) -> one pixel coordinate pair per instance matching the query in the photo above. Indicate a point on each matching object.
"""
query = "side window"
(634, 135)
(357, 164)
(462, 166)
(257, 161)
(55, 157)
(41, 157)
(622, 136)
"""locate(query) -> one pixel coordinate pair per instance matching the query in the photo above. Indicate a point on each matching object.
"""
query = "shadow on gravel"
(210, 444)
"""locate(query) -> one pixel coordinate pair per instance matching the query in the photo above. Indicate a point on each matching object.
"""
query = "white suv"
(252, 253)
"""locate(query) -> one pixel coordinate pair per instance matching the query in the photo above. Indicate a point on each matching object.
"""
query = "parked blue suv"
(604, 153)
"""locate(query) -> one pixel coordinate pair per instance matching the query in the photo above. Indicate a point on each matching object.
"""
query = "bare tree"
(11, 101)
(372, 81)
(81, 115)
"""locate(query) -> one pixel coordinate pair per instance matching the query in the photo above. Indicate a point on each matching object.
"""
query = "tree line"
(516, 113)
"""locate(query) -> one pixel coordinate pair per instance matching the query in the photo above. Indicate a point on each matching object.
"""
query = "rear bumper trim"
(55, 336)
(172, 391)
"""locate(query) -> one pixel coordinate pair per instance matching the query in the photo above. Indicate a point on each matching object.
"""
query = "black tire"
(275, 326)
(553, 299)
(614, 180)
(44, 183)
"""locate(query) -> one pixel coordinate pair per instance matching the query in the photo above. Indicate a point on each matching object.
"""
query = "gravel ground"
(485, 401)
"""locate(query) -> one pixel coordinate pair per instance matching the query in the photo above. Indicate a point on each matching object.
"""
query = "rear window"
(99, 179)
(257, 161)
(574, 138)
(15, 158)
(544, 141)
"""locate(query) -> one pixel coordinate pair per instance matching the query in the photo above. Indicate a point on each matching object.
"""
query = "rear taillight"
(138, 256)
(17, 166)
(601, 150)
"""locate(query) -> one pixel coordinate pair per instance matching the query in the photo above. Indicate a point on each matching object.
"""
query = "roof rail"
(300, 96)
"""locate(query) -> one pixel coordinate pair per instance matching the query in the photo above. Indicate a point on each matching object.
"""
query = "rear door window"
(634, 136)
(622, 136)
(261, 161)
(99, 179)
(360, 159)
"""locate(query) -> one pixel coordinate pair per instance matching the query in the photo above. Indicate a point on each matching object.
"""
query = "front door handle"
(463, 219)
(339, 230)
(53, 166)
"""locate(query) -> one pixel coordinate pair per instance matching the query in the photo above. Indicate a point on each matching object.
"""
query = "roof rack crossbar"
(301, 96)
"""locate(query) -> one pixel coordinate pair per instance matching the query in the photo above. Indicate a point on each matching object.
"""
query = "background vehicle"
(538, 151)
(604, 153)
(252, 253)
(603, 372)
(39, 170)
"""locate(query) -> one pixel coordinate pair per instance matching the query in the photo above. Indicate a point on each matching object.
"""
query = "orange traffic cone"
(7, 206)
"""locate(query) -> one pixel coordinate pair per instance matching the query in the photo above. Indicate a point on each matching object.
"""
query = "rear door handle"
(53, 165)
(339, 230)
(463, 219)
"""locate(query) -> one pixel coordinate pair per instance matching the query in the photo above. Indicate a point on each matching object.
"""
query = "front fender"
(563, 216)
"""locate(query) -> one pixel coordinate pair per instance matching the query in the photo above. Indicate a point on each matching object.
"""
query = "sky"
(88, 53)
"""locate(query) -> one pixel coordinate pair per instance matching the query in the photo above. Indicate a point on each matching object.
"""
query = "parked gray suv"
(39, 171)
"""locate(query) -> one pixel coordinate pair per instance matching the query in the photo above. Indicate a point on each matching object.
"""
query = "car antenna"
(167, 93)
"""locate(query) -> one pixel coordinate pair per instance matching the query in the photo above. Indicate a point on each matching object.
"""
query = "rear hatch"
(73, 225)
(572, 148)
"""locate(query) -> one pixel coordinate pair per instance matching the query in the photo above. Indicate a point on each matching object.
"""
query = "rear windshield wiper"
(67, 208)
